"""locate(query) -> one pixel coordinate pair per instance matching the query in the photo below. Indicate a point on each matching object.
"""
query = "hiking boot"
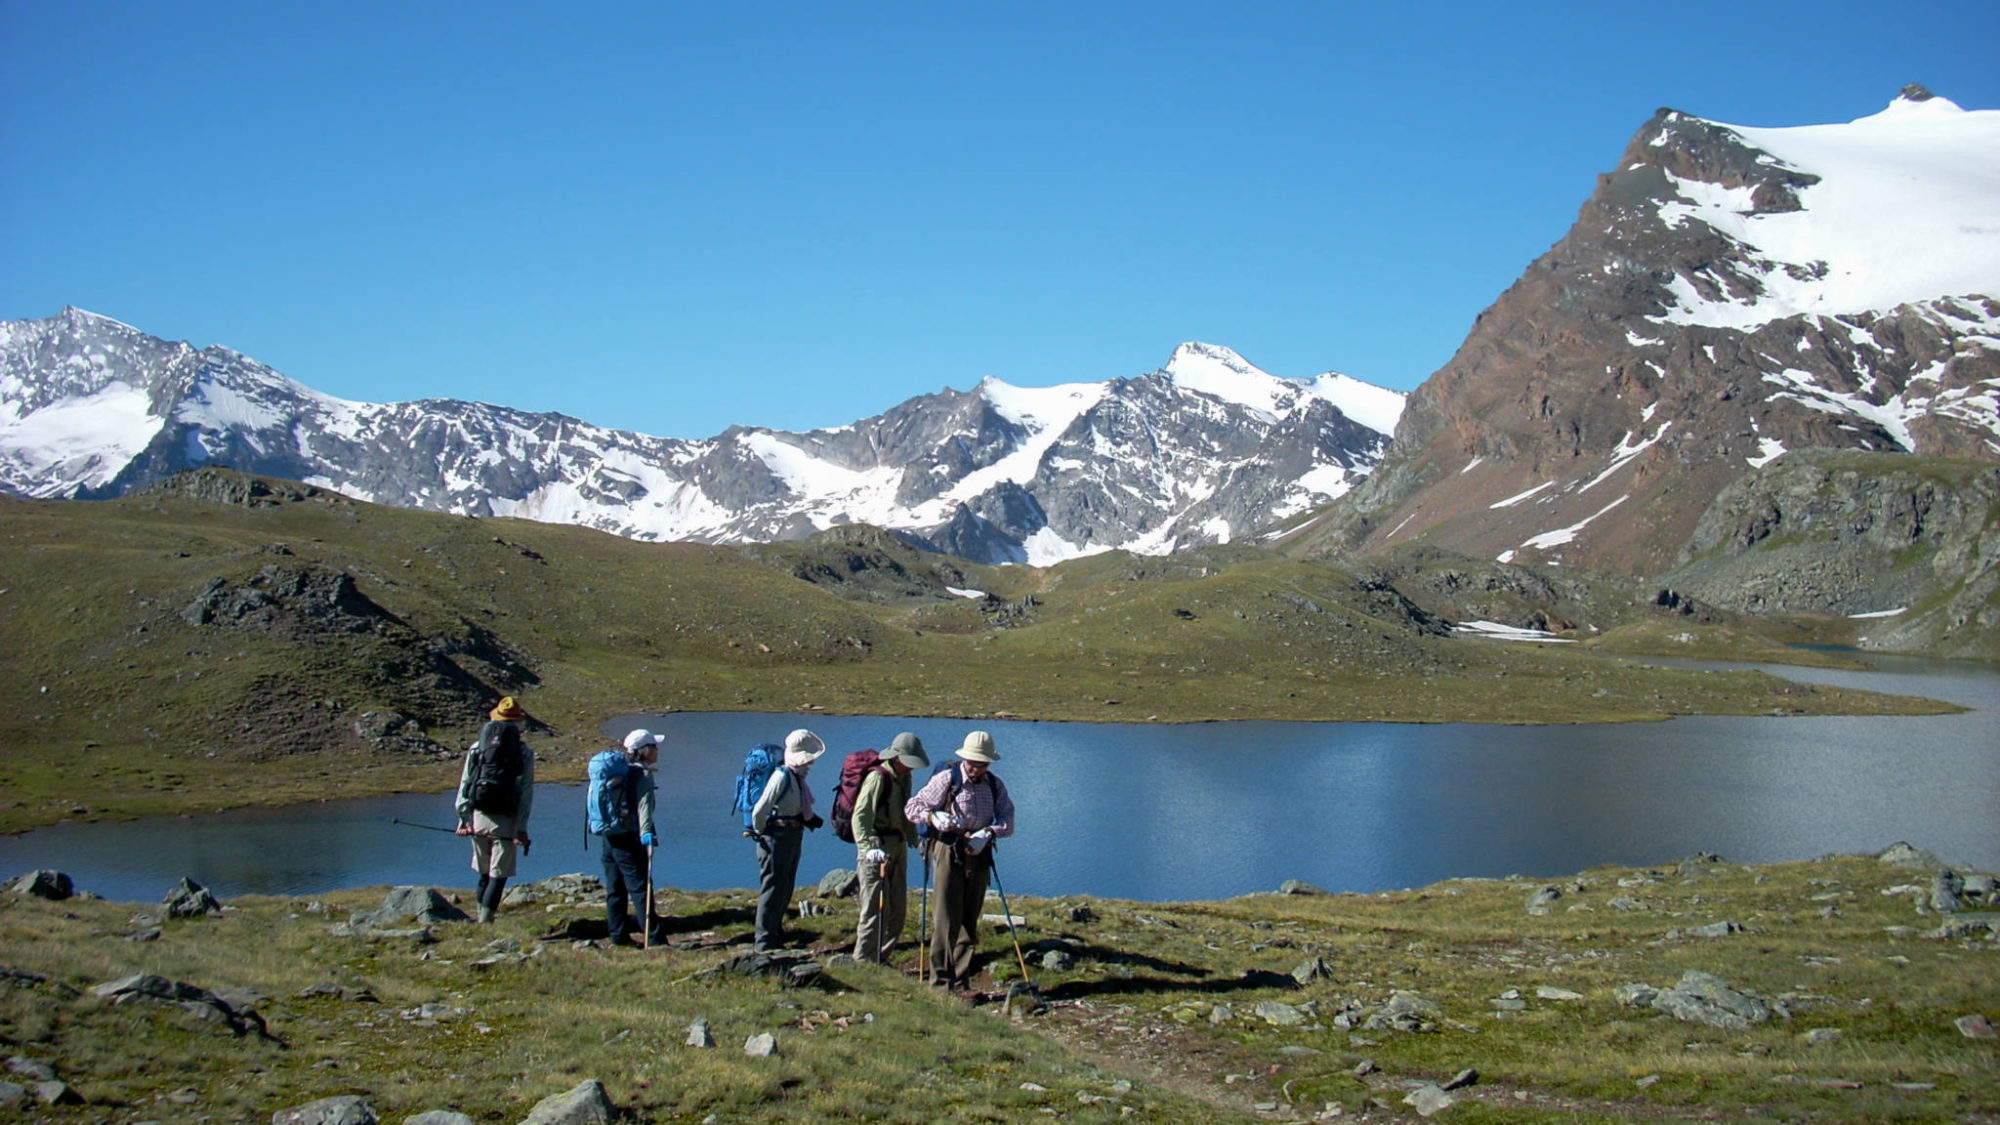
(485, 915)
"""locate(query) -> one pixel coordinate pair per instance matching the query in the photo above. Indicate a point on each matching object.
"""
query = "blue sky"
(676, 217)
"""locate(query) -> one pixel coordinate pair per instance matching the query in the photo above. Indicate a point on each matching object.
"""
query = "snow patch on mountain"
(1906, 210)
(78, 442)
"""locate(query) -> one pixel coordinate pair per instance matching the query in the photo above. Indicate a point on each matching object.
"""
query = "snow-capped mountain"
(1203, 450)
(1726, 294)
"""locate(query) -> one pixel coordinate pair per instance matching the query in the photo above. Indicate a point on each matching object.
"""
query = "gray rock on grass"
(1900, 854)
(190, 899)
(1707, 999)
(405, 905)
(346, 1109)
(584, 1104)
(761, 1046)
(440, 1117)
(52, 885)
(840, 882)
(700, 1034)
(1975, 1027)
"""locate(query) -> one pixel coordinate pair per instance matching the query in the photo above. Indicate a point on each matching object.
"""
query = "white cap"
(640, 739)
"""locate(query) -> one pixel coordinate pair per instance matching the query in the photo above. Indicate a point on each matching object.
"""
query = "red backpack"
(852, 770)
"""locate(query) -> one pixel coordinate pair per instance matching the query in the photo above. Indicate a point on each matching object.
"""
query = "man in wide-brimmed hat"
(496, 789)
(778, 822)
(966, 808)
(881, 845)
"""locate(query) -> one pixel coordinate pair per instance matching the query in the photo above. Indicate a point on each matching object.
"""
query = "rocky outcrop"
(1910, 544)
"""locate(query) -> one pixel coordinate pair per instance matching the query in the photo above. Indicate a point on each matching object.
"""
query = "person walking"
(620, 804)
(966, 808)
(881, 843)
(778, 822)
(496, 791)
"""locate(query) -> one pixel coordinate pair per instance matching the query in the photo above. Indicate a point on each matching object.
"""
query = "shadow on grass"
(1254, 980)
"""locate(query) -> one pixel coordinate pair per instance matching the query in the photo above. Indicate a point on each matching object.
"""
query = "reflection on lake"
(1208, 810)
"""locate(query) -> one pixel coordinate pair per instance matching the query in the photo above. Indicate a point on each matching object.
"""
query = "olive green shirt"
(878, 809)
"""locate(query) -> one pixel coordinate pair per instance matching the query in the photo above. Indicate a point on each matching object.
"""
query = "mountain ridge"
(1199, 451)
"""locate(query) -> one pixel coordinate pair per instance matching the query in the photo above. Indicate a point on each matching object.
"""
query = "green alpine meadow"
(221, 640)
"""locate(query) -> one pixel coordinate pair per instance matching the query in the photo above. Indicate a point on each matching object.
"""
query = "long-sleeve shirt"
(975, 805)
(506, 826)
(786, 797)
(878, 808)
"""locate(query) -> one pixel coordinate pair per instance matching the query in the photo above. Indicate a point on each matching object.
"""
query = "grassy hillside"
(224, 640)
(1263, 1008)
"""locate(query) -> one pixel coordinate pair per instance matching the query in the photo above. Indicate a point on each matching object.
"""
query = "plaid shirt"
(977, 804)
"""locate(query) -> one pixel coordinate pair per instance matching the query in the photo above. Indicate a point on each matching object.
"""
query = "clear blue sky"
(674, 217)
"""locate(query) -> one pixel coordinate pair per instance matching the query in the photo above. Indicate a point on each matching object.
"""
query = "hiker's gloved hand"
(646, 840)
(942, 821)
(874, 855)
(814, 822)
(977, 842)
(462, 830)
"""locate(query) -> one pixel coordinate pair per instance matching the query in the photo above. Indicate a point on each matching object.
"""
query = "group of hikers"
(952, 820)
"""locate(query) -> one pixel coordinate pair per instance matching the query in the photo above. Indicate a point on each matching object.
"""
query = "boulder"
(700, 1034)
(792, 967)
(1405, 1011)
(12, 1095)
(1946, 886)
(1298, 887)
(1707, 999)
(404, 905)
(761, 1046)
(585, 1104)
(57, 1093)
(1543, 899)
(53, 885)
(347, 1109)
(840, 882)
(1900, 854)
(198, 1002)
(440, 1117)
(190, 899)
(34, 1070)
(1428, 1099)
(1278, 1014)
(1975, 1027)
(1310, 970)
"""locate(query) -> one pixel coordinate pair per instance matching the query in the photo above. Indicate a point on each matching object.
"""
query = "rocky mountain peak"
(1727, 293)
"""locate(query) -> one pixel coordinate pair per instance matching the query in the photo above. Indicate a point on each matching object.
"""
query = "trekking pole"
(1009, 912)
(646, 942)
(428, 827)
(924, 925)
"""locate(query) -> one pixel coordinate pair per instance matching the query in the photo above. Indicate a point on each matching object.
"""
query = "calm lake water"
(1203, 811)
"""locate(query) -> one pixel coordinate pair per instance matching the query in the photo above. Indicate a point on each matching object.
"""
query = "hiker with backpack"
(778, 822)
(965, 808)
(881, 834)
(618, 806)
(496, 790)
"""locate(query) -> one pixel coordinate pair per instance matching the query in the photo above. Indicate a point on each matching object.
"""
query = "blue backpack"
(757, 768)
(612, 801)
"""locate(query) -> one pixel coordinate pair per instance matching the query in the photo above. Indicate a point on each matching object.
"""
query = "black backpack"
(497, 767)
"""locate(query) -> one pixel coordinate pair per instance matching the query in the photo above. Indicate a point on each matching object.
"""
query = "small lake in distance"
(1201, 811)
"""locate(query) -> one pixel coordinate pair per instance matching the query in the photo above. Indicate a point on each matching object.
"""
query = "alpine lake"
(1202, 811)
